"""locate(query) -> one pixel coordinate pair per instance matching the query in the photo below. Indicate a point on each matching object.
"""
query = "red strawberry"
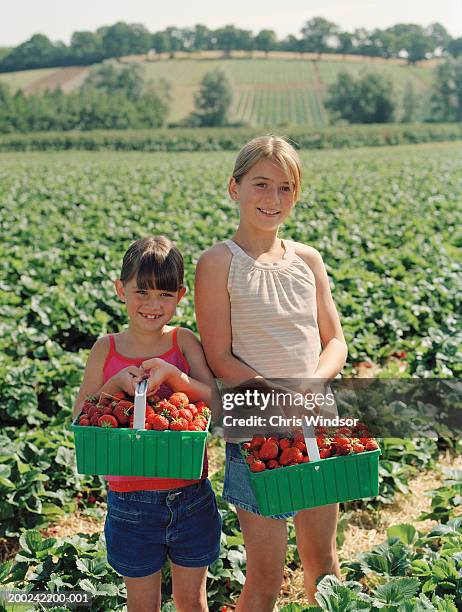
(86, 406)
(192, 409)
(107, 410)
(257, 466)
(92, 411)
(200, 423)
(194, 427)
(167, 409)
(120, 395)
(357, 448)
(107, 420)
(250, 459)
(343, 449)
(296, 455)
(284, 459)
(246, 446)
(179, 424)
(200, 404)
(285, 443)
(147, 426)
(105, 401)
(149, 411)
(300, 445)
(158, 422)
(205, 412)
(94, 419)
(84, 421)
(324, 453)
(371, 445)
(179, 399)
(306, 459)
(341, 441)
(269, 450)
(185, 414)
(256, 442)
(273, 464)
(122, 412)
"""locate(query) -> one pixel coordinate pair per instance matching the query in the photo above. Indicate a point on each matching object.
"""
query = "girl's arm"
(334, 352)
(197, 385)
(213, 314)
(92, 383)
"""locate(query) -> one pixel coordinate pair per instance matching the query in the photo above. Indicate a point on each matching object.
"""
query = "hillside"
(273, 91)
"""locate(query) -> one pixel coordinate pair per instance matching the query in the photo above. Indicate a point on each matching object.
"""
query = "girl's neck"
(259, 243)
(145, 343)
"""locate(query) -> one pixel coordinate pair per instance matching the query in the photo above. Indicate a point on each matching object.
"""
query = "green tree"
(86, 47)
(202, 38)
(266, 41)
(124, 39)
(365, 100)
(213, 99)
(345, 43)
(160, 42)
(112, 77)
(36, 52)
(317, 34)
(446, 100)
(438, 35)
(227, 39)
(454, 47)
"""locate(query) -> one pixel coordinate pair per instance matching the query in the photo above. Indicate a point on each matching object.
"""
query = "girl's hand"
(127, 379)
(159, 372)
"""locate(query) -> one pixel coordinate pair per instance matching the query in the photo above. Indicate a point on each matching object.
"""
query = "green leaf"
(31, 541)
(397, 591)
(405, 532)
(87, 585)
(5, 569)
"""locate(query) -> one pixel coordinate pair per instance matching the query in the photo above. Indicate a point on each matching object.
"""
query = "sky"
(59, 18)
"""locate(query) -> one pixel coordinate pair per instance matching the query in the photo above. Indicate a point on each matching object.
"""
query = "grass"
(267, 91)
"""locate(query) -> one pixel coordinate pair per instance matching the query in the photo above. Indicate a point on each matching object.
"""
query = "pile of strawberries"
(270, 453)
(175, 413)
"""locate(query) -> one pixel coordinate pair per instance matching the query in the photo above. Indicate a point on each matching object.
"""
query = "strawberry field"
(387, 222)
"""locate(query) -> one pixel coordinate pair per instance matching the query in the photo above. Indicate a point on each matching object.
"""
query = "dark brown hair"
(155, 262)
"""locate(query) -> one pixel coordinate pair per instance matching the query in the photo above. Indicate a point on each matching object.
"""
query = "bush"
(365, 100)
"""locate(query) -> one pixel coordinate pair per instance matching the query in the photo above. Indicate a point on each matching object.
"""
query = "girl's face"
(148, 309)
(265, 195)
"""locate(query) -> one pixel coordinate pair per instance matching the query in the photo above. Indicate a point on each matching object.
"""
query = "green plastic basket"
(308, 485)
(139, 452)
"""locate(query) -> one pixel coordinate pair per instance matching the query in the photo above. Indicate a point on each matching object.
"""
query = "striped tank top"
(274, 313)
(115, 362)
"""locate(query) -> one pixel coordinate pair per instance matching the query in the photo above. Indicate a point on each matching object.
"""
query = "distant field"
(24, 78)
(267, 92)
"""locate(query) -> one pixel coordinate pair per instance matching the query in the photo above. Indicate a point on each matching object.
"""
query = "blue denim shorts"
(237, 489)
(144, 528)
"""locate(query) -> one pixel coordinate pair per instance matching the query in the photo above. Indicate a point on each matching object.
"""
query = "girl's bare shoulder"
(217, 257)
(310, 256)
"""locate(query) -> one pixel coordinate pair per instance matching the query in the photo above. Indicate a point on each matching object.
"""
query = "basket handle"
(139, 413)
(310, 442)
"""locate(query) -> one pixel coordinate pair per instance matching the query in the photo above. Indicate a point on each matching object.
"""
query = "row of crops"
(387, 223)
(267, 92)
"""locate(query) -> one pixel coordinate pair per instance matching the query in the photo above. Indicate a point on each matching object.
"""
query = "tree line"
(318, 35)
(117, 96)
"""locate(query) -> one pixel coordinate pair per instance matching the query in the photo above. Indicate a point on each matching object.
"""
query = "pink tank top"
(115, 362)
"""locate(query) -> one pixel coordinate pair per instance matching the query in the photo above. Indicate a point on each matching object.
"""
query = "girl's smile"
(264, 193)
(151, 306)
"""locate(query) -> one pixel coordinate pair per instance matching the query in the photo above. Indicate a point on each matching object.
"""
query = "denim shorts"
(144, 528)
(237, 489)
